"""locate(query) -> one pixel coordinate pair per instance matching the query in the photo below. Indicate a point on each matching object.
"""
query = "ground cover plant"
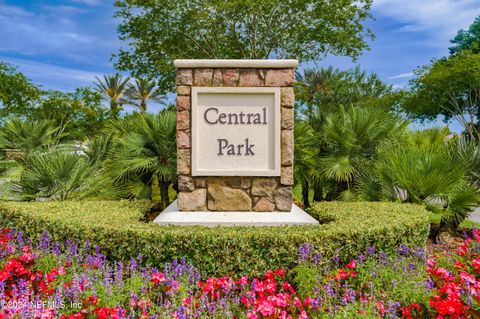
(117, 227)
(47, 279)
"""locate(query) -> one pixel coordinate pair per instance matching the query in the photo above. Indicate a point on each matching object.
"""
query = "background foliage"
(212, 29)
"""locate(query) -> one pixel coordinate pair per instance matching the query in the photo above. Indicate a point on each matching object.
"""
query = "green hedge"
(117, 229)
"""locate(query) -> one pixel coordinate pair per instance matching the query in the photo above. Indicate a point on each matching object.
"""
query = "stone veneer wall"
(254, 193)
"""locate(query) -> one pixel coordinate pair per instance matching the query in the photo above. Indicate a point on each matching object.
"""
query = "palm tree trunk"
(113, 109)
(305, 191)
(143, 106)
(164, 198)
(317, 192)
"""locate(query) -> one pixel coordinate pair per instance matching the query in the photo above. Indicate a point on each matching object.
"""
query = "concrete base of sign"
(171, 216)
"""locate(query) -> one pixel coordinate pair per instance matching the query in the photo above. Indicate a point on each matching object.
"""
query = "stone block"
(201, 182)
(193, 201)
(184, 77)
(203, 77)
(287, 151)
(264, 205)
(183, 161)
(288, 118)
(283, 198)
(185, 183)
(237, 181)
(230, 77)
(264, 186)
(217, 77)
(183, 139)
(183, 102)
(221, 197)
(279, 77)
(287, 97)
(286, 177)
(250, 77)
(183, 120)
(183, 90)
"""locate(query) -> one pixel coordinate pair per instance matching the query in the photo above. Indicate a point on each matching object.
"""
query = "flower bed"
(45, 279)
(117, 228)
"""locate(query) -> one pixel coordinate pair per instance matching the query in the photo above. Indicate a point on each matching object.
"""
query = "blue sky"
(63, 44)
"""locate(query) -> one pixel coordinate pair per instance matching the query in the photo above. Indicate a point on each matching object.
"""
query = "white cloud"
(55, 31)
(34, 33)
(400, 76)
(61, 9)
(52, 76)
(439, 19)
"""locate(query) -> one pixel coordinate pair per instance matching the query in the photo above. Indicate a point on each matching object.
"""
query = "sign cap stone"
(226, 63)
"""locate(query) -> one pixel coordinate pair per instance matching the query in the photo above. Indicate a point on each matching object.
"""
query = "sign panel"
(235, 131)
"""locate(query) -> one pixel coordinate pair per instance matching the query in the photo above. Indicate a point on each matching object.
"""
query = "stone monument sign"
(235, 143)
(235, 132)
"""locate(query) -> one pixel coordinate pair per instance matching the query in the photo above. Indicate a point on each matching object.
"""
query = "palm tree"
(304, 158)
(420, 168)
(60, 174)
(313, 83)
(145, 153)
(113, 88)
(9, 170)
(467, 151)
(19, 138)
(142, 91)
(314, 89)
(350, 138)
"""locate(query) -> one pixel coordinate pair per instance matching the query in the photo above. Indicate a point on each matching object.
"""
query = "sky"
(64, 44)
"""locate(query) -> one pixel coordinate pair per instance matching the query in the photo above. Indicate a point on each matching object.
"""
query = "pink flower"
(303, 315)
(441, 273)
(476, 234)
(467, 278)
(279, 300)
(270, 286)
(251, 315)
(476, 264)
(284, 315)
(265, 307)
(307, 302)
(352, 264)
(187, 301)
(242, 281)
(158, 278)
(288, 287)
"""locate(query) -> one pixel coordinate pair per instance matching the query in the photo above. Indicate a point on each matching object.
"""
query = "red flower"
(158, 278)
(476, 265)
(265, 307)
(280, 272)
(352, 264)
(109, 313)
(242, 281)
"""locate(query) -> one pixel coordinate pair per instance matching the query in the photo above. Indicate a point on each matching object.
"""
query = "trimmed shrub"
(117, 228)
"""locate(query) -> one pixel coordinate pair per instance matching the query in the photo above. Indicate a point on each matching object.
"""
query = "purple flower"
(304, 252)
(403, 250)
(361, 257)
(371, 250)
(429, 284)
